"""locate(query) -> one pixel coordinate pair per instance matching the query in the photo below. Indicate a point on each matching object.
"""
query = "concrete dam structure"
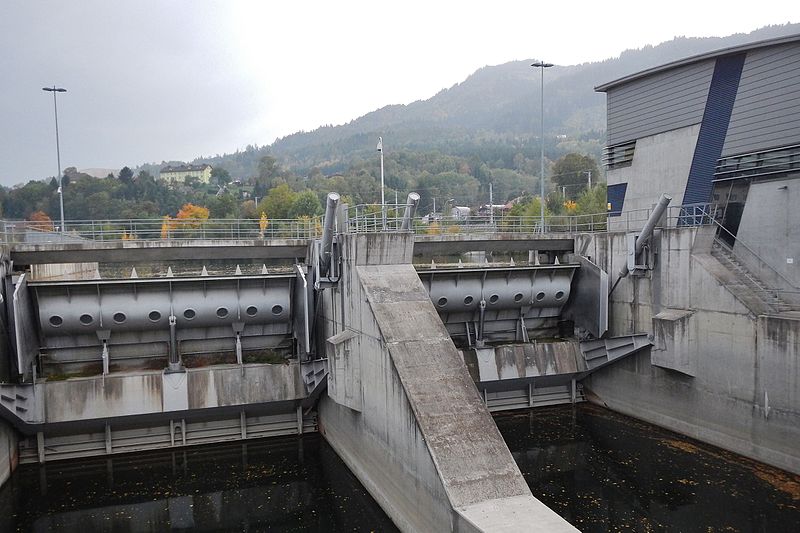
(397, 366)
(680, 306)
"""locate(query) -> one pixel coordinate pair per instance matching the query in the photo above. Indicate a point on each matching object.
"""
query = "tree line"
(282, 193)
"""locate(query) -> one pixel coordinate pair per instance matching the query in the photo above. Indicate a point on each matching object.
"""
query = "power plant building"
(720, 128)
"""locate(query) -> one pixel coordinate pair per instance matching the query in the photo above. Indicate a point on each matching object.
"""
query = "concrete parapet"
(64, 271)
(420, 439)
(153, 392)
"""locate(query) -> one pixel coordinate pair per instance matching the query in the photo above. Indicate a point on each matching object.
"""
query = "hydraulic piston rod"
(327, 232)
(644, 235)
(411, 207)
(647, 230)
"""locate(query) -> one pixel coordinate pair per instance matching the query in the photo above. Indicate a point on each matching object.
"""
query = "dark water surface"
(282, 484)
(607, 472)
(601, 471)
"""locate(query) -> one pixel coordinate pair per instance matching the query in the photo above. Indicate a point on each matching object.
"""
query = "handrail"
(368, 218)
(740, 243)
(137, 230)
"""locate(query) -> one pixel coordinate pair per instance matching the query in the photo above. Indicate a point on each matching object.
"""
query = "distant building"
(460, 212)
(181, 173)
(100, 172)
(486, 209)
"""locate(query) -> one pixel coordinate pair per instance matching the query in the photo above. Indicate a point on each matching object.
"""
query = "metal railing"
(765, 278)
(137, 230)
(371, 218)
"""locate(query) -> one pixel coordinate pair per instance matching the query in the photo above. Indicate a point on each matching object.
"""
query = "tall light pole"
(542, 65)
(383, 200)
(55, 90)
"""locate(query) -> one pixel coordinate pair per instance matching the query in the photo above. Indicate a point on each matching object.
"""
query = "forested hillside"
(494, 113)
(451, 148)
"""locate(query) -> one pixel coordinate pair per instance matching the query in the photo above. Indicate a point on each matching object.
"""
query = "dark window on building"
(616, 198)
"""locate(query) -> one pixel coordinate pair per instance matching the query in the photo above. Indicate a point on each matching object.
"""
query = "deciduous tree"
(571, 171)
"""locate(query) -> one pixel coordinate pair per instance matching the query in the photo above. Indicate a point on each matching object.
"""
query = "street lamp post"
(55, 90)
(542, 65)
(383, 200)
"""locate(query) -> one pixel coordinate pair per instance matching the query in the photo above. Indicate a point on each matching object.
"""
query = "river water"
(600, 470)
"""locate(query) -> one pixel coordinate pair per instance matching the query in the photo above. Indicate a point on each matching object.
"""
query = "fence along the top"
(361, 219)
(369, 218)
(160, 229)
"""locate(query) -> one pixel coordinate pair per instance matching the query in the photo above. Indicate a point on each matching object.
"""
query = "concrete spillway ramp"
(402, 410)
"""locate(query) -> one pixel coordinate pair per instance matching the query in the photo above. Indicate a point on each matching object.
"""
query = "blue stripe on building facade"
(713, 128)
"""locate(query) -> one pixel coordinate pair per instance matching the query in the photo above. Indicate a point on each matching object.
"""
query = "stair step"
(746, 280)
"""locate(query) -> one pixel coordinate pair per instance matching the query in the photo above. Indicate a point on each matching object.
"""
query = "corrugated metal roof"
(702, 57)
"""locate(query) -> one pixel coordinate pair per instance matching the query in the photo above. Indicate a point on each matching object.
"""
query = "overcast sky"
(162, 80)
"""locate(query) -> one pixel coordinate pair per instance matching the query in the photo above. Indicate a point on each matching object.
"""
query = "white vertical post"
(491, 206)
(383, 199)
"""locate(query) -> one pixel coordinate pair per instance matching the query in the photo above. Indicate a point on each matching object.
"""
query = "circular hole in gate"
(468, 300)
(86, 319)
(119, 317)
(252, 310)
(222, 312)
(559, 295)
(518, 297)
(441, 302)
(539, 296)
(189, 314)
(154, 316)
(56, 321)
(493, 298)
(277, 309)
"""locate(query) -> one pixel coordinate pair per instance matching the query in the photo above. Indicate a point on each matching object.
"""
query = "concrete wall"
(64, 271)
(770, 230)
(9, 456)
(420, 440)
(724, 376)
(81, 399)
(660, 164)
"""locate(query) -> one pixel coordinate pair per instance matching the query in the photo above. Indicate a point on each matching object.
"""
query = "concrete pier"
(402, 410)
(722, 370)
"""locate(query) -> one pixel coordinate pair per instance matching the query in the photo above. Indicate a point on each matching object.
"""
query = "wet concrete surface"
(606, 472)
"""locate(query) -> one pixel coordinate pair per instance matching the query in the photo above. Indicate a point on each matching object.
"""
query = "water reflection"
(606, 472)
(273, 485)
(600, 470)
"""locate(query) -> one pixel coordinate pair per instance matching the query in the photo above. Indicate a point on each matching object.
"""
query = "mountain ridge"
(496, 103)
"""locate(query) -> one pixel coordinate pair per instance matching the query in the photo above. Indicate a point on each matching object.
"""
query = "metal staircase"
(747, 282)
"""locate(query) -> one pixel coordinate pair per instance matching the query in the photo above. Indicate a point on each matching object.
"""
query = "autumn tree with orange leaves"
(191, 216)
(40, 221)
